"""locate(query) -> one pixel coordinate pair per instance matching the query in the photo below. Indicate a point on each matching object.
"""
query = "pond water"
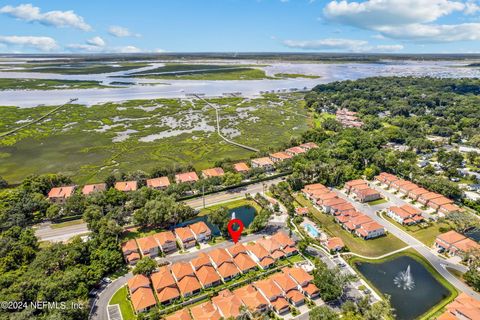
(473, 234)
(244, 213)
(413, 290)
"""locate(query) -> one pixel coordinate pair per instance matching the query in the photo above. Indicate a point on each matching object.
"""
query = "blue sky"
(404, 26)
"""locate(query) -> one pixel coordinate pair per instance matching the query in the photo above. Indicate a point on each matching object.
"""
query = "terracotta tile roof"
(366, 192)
(343, 207)
(310, 289)
(464, 307)
(205, 311)
(168, 294)
(269, 244)
(361, 219)
(184, 233)
(308, 145)
(161, 182)
(182, 314)
(315, 186)
(126, 185)
(236, 249)
(244, 262)
(440, 201)
(262, 254)
(142, 298)
(327, 196)
(466, 245)
(295, 150)
(400, 212)
(188, 284)
(430, 196)
(355, 183)
(295, 296)
(269, 288)
(450, 237)
(181, 269)
(263, 162)
(410, 209)
(133, 256)
(147, 243)
(138, 281)
(199, 228)
(283, 239)
(302, 211)
(408, 187)
(334, 243)
(228, 304)
(449, 208)
(280, 156)
(201, 260)
(61, 192)
(129, 245)
(371, 226)
(162, 279)
(251, 297)
(98, 187)
(418, 192)
(401, 182)
(164, 237)
(228, 269)
(207, 275)
(186, 177)
(213, 172)
(349, 225)
(343, 219)
(241, 167)
(360, 187)
(280, 303)
(284, 282)
(298, 274)
(219, 256)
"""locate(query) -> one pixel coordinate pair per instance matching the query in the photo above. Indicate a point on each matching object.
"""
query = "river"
(152, 88)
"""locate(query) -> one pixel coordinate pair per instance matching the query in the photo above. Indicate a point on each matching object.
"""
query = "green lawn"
(89, 143)
(121, 298)
(231, 205)
(426, 235)
(376, 202)
(45, 84)
(370, 248)
(66, 224)
(222, 74)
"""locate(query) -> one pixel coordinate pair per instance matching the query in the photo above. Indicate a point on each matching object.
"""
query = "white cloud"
(340, 45)
(39, 43)
(406, 19)
(127, 49)
(121, 32)
(96, 41)
(28, 12)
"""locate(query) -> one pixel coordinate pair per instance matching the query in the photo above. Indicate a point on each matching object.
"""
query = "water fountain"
(404, 280)
(233, 215)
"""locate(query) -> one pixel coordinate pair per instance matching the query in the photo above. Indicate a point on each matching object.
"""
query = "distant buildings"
(160, 183)
(348, 118)
(61, 194)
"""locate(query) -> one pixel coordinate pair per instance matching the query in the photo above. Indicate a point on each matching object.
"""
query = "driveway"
(99, 307)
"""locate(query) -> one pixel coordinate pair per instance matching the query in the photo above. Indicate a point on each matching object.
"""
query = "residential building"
(61, 194)
(165, 286)
(182, 314)
(273, 248)
(339, 209)
(263, 163)
(186, 177)
(244, 262)
(295, 151)
(280, 156)
(308, 145)
(455, 243)
(223, 262)
(148, 246)
(241, 167)
(200, 261)
(93, 188)
(160, 183)
(187, 282)
(436, 203)
(289, 289)
(207, 276)
(405, 214)
(143, 300)
(287, 244)
(370, 230)
(260, 255)
(212, 173)
(415, 193)
(327, 201)
(201, 231)
(302, 211)
(126, 186)
(185, 237)
(166, 241)
(449, 208)
(236, 249)
(273, 294)
(353, 183)
(255, 302)
(426, 197)
(136, 282)
(205, 311)
(228, 304)
(304, 280)
(463, 307)
(386, 178)
(335, 244)
(367, 195)
(398, 183)
(406, 188)
(130, 252)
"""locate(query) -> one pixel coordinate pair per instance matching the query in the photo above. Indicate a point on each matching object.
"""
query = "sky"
(365, 26)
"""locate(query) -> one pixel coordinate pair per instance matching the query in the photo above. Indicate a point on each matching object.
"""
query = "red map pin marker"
(235, 234)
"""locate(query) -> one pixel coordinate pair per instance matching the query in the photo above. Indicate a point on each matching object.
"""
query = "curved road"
(437, 262)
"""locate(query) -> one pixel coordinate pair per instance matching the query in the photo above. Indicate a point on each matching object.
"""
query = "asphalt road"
(436, 261)
(99, 308)
(46, 233)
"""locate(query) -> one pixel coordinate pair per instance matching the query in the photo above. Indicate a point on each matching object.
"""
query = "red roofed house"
(287, 244)
(148, 246)
(436, 203)
(280, 156)
(304, 280)
(353, 183)
(327, 201)
(405, 214)
(415, 193)
(185, 237)
(186, 177)
(406, 188)
(165, 286)
(223, 262)
(252, 299)
(228, 304)
(126, 186)
(386, 178)
(167, 241)
(367, 195)
(370, 230)
(241, 167)
(201, 231)
(130, 252)
(136, 282)
(182, 314)
(205, 311)
(448, 208)
(61, 194)
(212, 172)
(143, 300)
(92, 188)
(272, 292)
(260, 255)
(463, 307)
(335, 244)
(160, 183)
(426, 197)
(187, 282)
(308, 145)
(302, 211)
(455, 243)
(273, 247)
(399, 183)
(264, 163)
(289, 289)
(294, 151)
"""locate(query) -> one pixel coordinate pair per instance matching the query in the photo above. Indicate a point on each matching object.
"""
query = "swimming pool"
(311, 230)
